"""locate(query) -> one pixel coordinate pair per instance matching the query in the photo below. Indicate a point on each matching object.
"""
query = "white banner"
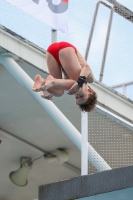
(51, 12)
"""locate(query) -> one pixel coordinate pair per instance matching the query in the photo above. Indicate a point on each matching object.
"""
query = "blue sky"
(127, 3)
(119, 61)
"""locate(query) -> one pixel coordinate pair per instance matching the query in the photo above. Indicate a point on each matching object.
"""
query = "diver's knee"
(59, 93)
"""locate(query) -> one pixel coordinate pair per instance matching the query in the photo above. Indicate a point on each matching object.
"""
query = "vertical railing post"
(53, 35)
(84, 143)
(106, 45)
(84, 116)
(91, 31)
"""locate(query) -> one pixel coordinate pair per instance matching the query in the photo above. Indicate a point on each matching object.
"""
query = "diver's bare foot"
(38, 82)
(50, 82)
(46, 96)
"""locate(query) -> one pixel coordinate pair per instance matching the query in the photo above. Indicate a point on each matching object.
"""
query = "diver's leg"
(70, 63)
(52, 83)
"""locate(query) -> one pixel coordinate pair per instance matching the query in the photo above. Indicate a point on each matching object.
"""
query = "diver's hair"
(91, 102)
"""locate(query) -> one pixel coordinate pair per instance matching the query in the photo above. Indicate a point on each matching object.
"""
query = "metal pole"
(84, 116)
(91, 31)
(53, 36)
(52, 111)
(124, 90)
(106, 45)
(84, 142)
(84, 130)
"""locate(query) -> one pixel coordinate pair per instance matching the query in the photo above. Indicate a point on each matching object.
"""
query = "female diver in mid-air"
(64, 59)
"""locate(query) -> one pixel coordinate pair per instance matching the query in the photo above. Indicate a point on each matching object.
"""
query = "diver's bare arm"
(87, 72)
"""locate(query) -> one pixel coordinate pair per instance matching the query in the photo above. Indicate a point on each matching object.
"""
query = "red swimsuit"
(54, 49)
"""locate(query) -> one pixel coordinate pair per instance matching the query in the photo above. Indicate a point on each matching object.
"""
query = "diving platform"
(116, 184)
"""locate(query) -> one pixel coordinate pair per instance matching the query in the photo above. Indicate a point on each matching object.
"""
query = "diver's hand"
(73, 89)
(46, 96)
